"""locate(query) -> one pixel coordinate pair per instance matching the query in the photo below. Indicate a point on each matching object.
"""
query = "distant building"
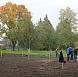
(5, 43)
(2, 43)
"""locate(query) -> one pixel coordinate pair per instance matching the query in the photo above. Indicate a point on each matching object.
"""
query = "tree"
(76, 43)
(27, 30)
(66, 25)
(10, 15)
(45, 33)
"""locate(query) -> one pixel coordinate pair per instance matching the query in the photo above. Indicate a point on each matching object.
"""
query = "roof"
(2, 42)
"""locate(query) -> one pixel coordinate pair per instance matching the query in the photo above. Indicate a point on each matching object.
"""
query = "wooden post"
(28, 56)
(62, 49)
(49, 54)
(1, 51)
(22, 53)
(62, 65)
(28, 53)
(66, 55)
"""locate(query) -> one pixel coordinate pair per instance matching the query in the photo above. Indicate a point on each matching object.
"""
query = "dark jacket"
(61, 58)
(75, 51)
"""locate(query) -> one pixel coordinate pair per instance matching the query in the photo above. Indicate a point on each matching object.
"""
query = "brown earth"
(17, 66)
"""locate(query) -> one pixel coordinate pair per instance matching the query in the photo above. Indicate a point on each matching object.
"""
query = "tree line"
(20, 29)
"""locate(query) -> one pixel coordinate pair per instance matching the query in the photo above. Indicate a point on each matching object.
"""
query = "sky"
(39, 8)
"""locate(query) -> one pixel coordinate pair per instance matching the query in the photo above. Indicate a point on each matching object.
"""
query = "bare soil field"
(13, 65)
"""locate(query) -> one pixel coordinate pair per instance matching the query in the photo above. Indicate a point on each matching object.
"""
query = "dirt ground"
(17, 66)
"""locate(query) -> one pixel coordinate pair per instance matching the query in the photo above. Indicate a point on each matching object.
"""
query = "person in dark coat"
(61, 58)
(75, 53)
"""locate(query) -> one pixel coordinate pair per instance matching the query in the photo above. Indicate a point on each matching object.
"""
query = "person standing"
(57, 50)
(75, 53)
(68, 53)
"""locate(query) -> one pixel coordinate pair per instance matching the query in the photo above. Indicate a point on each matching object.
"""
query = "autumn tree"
(10, 15)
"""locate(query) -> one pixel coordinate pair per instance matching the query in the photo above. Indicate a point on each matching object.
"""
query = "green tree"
(27, 31)
(66, 26)
(45, 34)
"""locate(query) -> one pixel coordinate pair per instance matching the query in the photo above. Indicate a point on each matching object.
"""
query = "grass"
(40, 53)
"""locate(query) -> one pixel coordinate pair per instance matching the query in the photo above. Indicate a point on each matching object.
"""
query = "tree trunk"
(13, 45)
(17, 45)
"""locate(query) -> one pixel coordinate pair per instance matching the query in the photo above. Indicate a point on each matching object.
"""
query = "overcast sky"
(39, 8)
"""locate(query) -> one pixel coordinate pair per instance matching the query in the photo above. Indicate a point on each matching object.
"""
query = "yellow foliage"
(8, 4)
(16, 27)
(10, 26)
(22, 29)
(9, 12)
(76, 43)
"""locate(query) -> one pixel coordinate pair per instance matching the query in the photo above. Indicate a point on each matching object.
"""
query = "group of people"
(70, 52)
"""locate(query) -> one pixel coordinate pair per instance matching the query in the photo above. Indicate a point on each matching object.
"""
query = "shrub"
(3, 47)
